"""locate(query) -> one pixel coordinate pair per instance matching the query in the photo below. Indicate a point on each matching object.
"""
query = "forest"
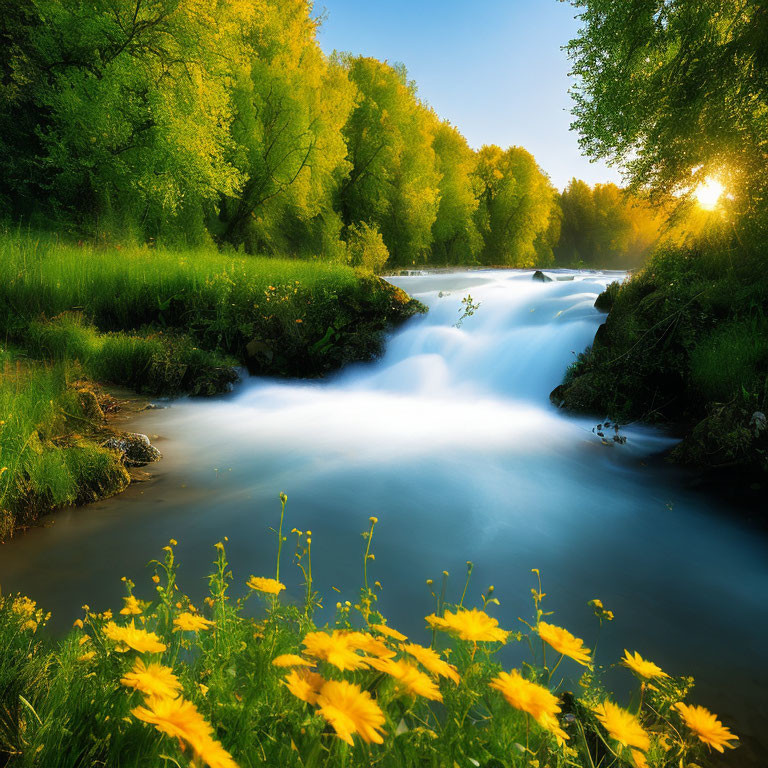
(207, 123)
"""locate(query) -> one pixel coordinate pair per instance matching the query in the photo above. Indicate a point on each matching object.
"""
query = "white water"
(451, 441)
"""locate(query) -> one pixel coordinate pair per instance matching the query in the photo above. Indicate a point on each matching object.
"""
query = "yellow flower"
(431, 661)
(291, 660)
(474, 626)
(622, 726)
(564, 642)
(351, 710)
(78, 623)
(537, 701)
(23, 606)
(138, 639)
(641, 667)
(374, 646)
(131, 607)
(180, 719)
(270, 586)
(87, 656)
(383, 629)
(408, 677)
(707, 727)
(189, 622)
(339, 648)
(152, 680)
(304, 684)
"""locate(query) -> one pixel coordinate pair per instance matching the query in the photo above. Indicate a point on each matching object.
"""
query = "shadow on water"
(451, 442)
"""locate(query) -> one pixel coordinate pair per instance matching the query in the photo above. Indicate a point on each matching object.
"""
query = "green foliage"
(675, 91)
(515, 205)
(393, 182)
(365, 248)
(83, 699)
(605, 227)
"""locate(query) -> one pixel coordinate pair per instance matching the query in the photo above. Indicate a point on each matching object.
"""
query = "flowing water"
(450, 440)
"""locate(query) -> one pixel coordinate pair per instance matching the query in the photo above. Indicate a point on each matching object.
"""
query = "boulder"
(564, 278)
(136, 448)
(541, 277)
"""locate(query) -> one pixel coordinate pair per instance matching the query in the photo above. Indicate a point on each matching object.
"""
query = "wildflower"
(138, 639)
(87, 656)
(30, 624)
(474, 626)
(131, 607)
(537, 701)
(291, 660)
(339, 648)
(152, 680)
(622, 726)
(641, 667)
(383, 629)
(408, 677)
(706, 726)
(156, 578)
(188, 622)
(304, 684)
(173, 542)
(375, 647)
(373, 520)
(78, 623)
(564, 642)
(180, 719)
(351, 710)
(260, 584)
(431, 661)
(23, 606)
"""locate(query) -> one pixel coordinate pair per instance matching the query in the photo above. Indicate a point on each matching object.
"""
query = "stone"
(136, 448)
(541, 277)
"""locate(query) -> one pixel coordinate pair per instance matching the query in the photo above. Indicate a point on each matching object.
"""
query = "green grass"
(277, 316)
(44, 460)
(71, 702)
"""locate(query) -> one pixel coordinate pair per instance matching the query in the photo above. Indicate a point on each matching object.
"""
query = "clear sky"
(494, 68)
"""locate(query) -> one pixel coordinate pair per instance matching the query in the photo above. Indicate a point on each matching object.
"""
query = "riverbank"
(685, 342)
(161, 323)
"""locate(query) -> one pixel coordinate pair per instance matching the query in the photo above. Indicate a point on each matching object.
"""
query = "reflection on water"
(451, 442)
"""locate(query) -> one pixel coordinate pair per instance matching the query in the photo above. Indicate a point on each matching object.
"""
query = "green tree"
(291, 105)
(123, 104)
(515, 200)
(455, 239)
(393, 182)
(675, 91)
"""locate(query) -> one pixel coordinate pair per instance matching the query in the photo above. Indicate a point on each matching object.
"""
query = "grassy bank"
(164, 682)
(160, 322)
(201, 311)
(685, 341)
(49, 443)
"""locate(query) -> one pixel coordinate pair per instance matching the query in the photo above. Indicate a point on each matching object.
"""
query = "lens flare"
(709, 193)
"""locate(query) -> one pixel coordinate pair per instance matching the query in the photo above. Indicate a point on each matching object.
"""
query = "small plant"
(467, 309)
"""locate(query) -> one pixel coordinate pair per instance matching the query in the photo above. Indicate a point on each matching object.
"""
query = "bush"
(365, 247)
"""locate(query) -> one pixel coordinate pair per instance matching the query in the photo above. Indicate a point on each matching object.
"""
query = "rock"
(604, 302)
(564, 278)
(541, 277)
(137, 450)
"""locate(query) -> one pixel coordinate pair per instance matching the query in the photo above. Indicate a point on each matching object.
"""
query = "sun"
(708, 193)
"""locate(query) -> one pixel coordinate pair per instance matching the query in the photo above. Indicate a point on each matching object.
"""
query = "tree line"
(199, 120)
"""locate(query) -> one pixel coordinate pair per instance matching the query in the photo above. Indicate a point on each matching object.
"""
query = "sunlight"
(708, 193)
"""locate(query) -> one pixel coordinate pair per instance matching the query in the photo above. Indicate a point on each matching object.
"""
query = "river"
(450, 440)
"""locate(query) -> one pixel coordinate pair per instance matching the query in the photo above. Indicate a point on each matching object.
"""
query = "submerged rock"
(541, 277)
(136, 448)
(564, 278)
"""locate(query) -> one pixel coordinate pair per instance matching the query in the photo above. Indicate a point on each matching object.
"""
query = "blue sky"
(494, 68)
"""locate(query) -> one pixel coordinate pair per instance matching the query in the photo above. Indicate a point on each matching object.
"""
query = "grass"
(277, 316)
(229, 689)
(46, 460)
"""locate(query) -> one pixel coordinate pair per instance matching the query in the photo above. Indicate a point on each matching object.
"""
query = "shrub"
(365, 247)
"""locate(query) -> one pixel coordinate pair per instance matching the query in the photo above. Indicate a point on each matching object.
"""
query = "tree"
(393, 182)
(291, 105)
(675, 91)
(455, 239)
(127, 103)
(515, 200)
